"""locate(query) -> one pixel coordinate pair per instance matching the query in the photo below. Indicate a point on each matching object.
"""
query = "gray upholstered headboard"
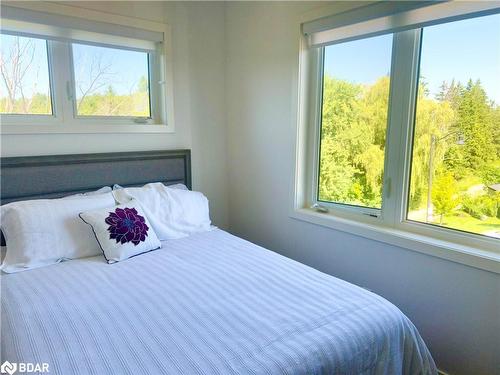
(34, 177)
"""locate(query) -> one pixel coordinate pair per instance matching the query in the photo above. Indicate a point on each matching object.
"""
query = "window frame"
(391, 224)
(345, 208)
(131, 120)
(64, 118)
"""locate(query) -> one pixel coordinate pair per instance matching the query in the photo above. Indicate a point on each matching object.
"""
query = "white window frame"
(389, 224)
(153, 118)
(64, 118)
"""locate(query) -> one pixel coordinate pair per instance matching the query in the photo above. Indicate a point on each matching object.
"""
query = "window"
(25, 83)
(399, 123)
(455, 174)
(355, 97)
(94, 76)
(111, 82)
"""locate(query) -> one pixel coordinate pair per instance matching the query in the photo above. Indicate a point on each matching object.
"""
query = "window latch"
(140, 120)
(388, 183)
(319, 208)
(69, 91)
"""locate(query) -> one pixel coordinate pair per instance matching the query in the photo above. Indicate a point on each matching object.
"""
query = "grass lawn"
(463, 221)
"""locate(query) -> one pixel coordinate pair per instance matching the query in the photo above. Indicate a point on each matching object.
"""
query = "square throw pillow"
(122, 231)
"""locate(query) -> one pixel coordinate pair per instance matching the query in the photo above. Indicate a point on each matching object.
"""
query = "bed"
(210, 303)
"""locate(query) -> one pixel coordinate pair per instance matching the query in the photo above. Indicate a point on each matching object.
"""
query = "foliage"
(38, 104)
(482, 206)
(462, 120)
(433, 118)
(475, 123)
(444, 194)
(353, 142)
(109, 103)
(490, 174)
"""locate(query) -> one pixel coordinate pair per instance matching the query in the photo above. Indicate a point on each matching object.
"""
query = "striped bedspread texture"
(211, 303)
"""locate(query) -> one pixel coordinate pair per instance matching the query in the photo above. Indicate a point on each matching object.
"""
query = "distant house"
(494, 191)
(495, 188)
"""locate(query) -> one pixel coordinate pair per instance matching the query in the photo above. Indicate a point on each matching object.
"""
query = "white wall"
(198, 61)
(455, 307)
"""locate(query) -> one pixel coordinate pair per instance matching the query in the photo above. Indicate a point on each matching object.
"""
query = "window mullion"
(61, 78)
(404, 72)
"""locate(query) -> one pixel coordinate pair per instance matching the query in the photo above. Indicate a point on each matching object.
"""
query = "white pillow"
(174, 186)
(178, 186)
(46, 231)
(122, 231)
(104, 189)
(173, 213)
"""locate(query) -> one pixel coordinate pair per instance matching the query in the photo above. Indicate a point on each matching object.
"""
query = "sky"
(37, 76)
(460, 50)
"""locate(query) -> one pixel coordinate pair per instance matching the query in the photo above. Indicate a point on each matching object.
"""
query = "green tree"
(338, 139)
(353, 135)
(450, 93)
(444, 195)
(476, 123)
(432, 118)
(490, 174)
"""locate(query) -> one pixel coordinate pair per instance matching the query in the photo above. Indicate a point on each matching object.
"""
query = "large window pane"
(354, 121)
(455, 175)
(111, 82)
(24, 78)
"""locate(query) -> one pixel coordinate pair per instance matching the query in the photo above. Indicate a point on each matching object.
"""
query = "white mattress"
(208, 304)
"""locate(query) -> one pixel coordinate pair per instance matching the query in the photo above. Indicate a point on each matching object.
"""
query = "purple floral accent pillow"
(126, 225)
(122, 231)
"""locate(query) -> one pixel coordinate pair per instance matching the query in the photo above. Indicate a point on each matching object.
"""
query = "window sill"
(485, 260)
(85, 129)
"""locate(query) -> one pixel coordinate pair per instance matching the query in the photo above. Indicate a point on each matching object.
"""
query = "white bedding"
(207, 304)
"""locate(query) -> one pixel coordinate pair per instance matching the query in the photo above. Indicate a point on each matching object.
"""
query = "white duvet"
(210, 303)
